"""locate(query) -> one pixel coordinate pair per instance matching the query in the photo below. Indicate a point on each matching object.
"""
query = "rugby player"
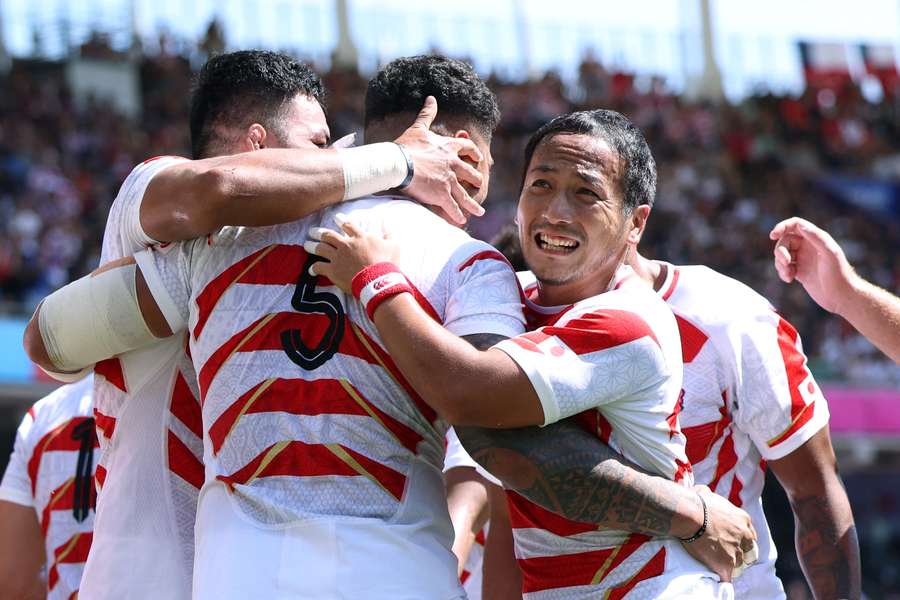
(340, 494)
(47, 497)
(749, 402)
(603, 346)
(257, 133)
(810, 255)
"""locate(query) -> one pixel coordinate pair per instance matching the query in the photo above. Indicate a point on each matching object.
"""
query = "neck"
(574, 291)
(650, 271)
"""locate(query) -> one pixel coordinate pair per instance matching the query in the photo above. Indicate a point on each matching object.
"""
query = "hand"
(441, 165)
(811, 256)
(348, 252)
(729, 534)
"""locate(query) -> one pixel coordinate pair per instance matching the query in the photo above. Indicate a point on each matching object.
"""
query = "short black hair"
(403, 84)
(623, 136)
(239, 88)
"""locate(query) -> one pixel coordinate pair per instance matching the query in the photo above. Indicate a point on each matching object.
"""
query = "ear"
(638, 220)
(462, 133)
(255, 138)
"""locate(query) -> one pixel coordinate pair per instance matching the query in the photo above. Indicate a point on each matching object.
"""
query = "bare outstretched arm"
(811, 256)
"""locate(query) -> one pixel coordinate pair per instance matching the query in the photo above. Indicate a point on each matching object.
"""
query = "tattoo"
(828, 553)
(565, 469)
(483, 341)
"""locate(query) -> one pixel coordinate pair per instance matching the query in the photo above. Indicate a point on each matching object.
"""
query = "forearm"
(260, 188)
(875, 313)
(565, 469)
(826, 542)
(463, 384)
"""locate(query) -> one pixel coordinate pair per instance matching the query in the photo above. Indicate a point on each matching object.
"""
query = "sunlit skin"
(572, 226)
(304, 124)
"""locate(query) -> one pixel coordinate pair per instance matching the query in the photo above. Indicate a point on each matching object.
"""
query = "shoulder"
(710, 299)
(61, 405)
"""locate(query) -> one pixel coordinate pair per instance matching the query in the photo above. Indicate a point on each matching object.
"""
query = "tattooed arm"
(825, 533)
(565, 469)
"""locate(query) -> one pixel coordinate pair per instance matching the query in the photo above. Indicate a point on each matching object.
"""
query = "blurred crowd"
(727, 173)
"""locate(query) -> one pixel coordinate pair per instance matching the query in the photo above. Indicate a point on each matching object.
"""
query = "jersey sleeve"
(124, 223)
(456, 456)
(588, 360)
(16, 484)
(778, 402)
(484, 296)
(167, 272)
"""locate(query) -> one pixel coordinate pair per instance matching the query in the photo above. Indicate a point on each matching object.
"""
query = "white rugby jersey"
(748, 397)
(51, 470)
(148, 422)
(311, 433)
(614, 362)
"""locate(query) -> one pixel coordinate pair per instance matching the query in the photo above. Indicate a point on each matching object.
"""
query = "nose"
(558, 209)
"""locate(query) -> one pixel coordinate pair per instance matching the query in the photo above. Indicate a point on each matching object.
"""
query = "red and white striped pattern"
(614, 363)
(343, 436)
(748, 397)
(43, 473)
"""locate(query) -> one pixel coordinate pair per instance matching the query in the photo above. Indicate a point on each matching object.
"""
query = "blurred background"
(754, 111)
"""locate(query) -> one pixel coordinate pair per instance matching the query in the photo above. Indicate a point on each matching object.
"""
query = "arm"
(467, 502)
(277, 185)
(21, 553)
(502, 579)
(811, 256)
(103, 314)
(825, 533)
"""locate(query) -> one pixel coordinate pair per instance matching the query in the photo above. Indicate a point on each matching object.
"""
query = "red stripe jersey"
(305, 415)
(147, 411)
(748, 395)
(613, 362)
(52, 470)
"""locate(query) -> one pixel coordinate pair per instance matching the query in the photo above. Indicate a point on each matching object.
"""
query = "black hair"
(639, 180)
(240, 88)
(403, 84)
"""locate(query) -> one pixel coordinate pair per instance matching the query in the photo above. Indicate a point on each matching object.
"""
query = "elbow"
(33, 343)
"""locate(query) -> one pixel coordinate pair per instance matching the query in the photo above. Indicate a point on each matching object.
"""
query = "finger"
(453, 210)
(334, 238)
(466, 173)
(466, 148)
(465, 202)
(785, 272)
(325, 269)
(352, 230)
(782, 253)
(316, 233)
(339, 219)
(326, 251)
(428, 113)
(784, 227)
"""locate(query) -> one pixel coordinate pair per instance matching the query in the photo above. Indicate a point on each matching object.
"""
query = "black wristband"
(702, 529)
(410, 171)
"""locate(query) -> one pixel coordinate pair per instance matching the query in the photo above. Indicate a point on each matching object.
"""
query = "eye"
(541, 183)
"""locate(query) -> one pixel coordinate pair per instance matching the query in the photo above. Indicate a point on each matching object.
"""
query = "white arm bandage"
(373, 168)
(93, 318)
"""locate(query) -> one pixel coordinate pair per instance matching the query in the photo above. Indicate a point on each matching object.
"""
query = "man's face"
(571, 223)
(302, 125)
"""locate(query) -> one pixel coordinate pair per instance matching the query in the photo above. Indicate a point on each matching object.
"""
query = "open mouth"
(555, 244)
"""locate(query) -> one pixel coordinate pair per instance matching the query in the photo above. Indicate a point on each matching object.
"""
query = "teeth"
(556, 242)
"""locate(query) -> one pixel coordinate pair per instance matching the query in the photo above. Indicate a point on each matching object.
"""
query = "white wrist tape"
(93, 318)
(372, 168)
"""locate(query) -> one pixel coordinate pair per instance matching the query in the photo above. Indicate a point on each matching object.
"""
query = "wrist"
(698, 533)
(376, 283)
(374, 168)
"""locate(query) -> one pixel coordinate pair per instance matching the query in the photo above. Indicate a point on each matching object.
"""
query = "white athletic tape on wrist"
(372, 168)
(93, 318)
(376, 283)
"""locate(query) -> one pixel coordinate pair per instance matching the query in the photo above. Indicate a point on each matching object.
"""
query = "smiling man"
(604, 348)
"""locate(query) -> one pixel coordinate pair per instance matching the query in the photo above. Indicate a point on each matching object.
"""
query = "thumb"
(428, 113)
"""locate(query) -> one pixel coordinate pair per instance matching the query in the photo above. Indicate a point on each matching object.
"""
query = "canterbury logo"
(381, 284)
